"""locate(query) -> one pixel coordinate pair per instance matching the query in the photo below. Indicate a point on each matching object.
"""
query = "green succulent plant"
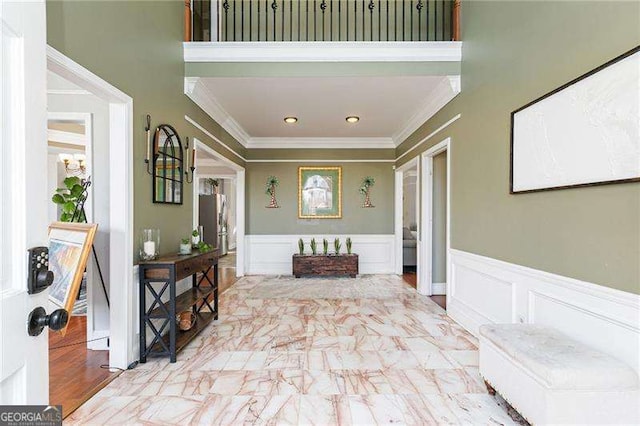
(348, 245)
(204, 247)
(301, 246)
(325, 246)
(314, 246)
(337, 245)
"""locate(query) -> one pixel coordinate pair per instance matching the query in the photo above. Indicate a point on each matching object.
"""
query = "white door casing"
(426, 231)
(123, 348)
(24, 370)
(239, 179)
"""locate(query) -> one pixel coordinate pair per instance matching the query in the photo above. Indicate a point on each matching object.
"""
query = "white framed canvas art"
(586, 132)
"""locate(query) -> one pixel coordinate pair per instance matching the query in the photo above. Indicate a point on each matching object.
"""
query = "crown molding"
(429, 136)
(446, 90)
(204, 99)
(212, 136)
(321, 143)
(340, 51)
(306, 160)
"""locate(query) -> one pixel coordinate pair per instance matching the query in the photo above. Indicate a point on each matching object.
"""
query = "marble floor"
(344, 359)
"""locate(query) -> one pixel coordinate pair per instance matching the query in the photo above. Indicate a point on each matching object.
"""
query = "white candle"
(150, 248)
(146, 154)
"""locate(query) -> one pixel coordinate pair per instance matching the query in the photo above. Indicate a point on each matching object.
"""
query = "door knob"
(38, 320)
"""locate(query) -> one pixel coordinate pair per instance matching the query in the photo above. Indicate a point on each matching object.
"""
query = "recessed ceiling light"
(291, 120)
(352, 119)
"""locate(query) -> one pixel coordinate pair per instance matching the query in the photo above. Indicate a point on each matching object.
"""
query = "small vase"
(185, 248)
(367, 201)
(273, 204)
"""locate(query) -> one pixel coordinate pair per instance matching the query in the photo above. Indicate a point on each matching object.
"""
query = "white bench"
(549, 378)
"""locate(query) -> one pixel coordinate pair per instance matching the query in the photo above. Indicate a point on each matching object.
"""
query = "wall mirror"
(167, 166)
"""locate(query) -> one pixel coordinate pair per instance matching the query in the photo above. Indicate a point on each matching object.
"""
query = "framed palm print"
(319, 192)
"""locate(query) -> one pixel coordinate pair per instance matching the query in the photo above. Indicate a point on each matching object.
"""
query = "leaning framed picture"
(319, 192)
(69, 247)
(584, 133)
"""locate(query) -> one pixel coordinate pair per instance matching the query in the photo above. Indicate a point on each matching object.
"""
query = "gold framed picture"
(320, 192)
(69, 247)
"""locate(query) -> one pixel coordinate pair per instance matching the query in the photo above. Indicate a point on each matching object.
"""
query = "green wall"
(513, 53)
(284, 220)
(137, 47)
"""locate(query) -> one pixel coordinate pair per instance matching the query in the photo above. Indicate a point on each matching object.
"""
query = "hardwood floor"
(410, 278)
(74, 371)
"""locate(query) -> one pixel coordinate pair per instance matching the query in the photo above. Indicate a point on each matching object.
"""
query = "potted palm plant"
(272, 182)
(365, 189)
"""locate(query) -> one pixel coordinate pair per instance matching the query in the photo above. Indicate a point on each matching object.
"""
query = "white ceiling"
(253, 109)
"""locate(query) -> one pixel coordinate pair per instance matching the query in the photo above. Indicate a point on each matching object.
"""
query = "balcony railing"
(321, 20)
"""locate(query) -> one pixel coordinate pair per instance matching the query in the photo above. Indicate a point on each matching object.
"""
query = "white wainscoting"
(485, 290)
(271, 254)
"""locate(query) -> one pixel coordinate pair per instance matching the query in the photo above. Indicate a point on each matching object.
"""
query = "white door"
(24, 371)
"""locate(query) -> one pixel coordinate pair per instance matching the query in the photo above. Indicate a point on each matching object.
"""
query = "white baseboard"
(485, 290)
(438, 289)
(99, 345)
(271, 254)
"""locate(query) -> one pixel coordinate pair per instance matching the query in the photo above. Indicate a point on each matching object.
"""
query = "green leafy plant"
(68, 199)
(214, 184)
(348, 245)
(195, 233)
(325, 246)
(314, 246)
(204, 247)
(337, 245)
(185, 241)
(301, 246)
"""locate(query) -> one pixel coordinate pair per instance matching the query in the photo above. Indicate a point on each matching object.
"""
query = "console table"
(159, 278)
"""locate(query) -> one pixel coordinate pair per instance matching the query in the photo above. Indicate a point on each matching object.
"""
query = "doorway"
(78, 151)
(436, 217)
(83, 101)
(407, 223)
(218, 210)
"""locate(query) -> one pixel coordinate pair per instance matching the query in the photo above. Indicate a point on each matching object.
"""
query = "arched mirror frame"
(167, 166)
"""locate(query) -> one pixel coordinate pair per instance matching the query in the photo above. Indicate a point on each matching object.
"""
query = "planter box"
(321, 264)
